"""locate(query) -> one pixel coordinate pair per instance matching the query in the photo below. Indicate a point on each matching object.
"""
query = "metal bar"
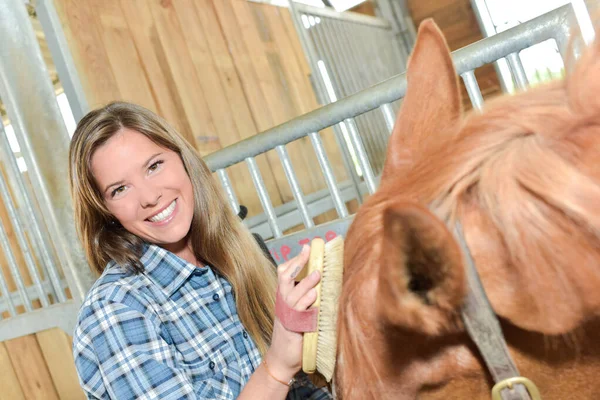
(326, 12)
(61, 57)
(263, 195)
(466, 59)
(22, 242)
(518, 71)
(63, 316)
(290, 245)
(388, 116)
(6, 294)
(14, 268)
(31, 294)
(309, 50)
(288, 215)
(363, 161)
(338, 46)
(486, 24)
(473, 89)
(32, 108)
(41, 246)
(360, 46)
(333, 96)
(337, 58)
(340, 206)
(295, 186)
(226, 183)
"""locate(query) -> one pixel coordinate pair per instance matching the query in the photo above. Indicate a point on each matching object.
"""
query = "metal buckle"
(534, 393)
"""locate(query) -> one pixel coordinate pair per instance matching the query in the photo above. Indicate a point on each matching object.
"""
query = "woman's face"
(146, 188)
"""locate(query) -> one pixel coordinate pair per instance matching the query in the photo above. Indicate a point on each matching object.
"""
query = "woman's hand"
(284, 357)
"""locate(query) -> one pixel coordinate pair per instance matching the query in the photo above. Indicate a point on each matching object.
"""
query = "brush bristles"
(331, 288)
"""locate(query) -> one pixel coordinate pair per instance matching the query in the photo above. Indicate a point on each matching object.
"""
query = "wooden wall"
(457, 20)
(218, 70)
(40, 367)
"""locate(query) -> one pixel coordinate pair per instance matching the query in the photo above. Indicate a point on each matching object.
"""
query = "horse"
(522, 180)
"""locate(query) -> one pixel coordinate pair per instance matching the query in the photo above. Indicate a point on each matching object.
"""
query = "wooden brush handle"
(309, 347)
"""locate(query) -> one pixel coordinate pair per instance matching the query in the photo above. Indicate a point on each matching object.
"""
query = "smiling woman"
(184, 305)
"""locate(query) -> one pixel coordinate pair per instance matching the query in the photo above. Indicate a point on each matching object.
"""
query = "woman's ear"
(432, 103)
(422, 282)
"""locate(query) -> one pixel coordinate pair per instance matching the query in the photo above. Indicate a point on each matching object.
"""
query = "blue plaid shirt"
(171, 332)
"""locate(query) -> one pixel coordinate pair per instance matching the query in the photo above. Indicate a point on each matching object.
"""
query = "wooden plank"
(217, 50)
(82, 32)
(295, 41)
(257, 80)
(154, 64)
(56, 349)
(283, 60)
(179, 62)
(30, 368)
(303, 92)
(122, 54)
(11, 388)
(276, 97)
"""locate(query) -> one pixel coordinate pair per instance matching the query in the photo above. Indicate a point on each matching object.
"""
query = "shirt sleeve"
(120, 354)
(304, 389)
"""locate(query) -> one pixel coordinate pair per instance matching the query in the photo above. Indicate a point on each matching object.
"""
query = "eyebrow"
(121, 181)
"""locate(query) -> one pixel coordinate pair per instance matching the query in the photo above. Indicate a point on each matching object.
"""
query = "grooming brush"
(319, 347)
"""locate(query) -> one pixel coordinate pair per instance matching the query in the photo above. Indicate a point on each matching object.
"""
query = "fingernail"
(304, 248)
(314, 274)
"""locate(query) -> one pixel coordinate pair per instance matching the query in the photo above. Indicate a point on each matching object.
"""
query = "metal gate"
(553, 25)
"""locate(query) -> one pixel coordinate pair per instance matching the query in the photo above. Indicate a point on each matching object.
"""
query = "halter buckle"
(534, 393)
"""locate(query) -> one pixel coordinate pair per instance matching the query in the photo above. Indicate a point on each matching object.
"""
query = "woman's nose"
(149, 197)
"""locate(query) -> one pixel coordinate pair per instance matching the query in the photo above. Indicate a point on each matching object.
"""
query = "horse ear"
(422, 282)
(432, 103)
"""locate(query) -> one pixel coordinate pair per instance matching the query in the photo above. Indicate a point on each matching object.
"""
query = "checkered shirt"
(171, 332)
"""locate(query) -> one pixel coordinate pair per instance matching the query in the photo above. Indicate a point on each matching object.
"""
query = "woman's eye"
(117, 191)
(154, 166)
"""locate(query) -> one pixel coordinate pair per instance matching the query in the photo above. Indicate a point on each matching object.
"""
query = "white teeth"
(164, 214)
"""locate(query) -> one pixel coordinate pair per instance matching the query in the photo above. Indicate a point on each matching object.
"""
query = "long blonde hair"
(217, 234)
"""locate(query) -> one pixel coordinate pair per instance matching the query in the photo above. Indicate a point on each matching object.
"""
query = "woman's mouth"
(165, 215)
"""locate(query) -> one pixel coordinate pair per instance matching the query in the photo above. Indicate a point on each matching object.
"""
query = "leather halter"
(484, 329)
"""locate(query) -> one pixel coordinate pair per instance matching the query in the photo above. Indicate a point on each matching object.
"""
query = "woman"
(183, 308)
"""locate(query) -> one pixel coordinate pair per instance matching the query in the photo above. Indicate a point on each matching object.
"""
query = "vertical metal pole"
(14, 269)
(389, 117)
(226, 184)
(6, 294)
(473, 89)
(263, 195)
(518, 71)
(320, 89)
(41, 246)
(488, 29)
(61, 57)
(337, 87)
(295, 186)
(362, 46)
(342, 40)
(335, 58)
(18, 230)
(33, 110)
(336, 196)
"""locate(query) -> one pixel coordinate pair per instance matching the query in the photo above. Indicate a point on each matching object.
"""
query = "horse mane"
(527, 171)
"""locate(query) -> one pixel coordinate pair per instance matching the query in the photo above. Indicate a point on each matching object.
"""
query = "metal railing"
(44, 275)
(553, 25)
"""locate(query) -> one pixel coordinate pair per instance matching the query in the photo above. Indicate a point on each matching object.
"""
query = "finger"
(296, 264)
(307, 300)
(302, 288)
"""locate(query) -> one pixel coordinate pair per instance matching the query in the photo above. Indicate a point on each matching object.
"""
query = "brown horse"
(523, 179)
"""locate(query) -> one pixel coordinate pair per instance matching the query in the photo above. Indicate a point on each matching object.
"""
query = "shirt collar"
(164, 268)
